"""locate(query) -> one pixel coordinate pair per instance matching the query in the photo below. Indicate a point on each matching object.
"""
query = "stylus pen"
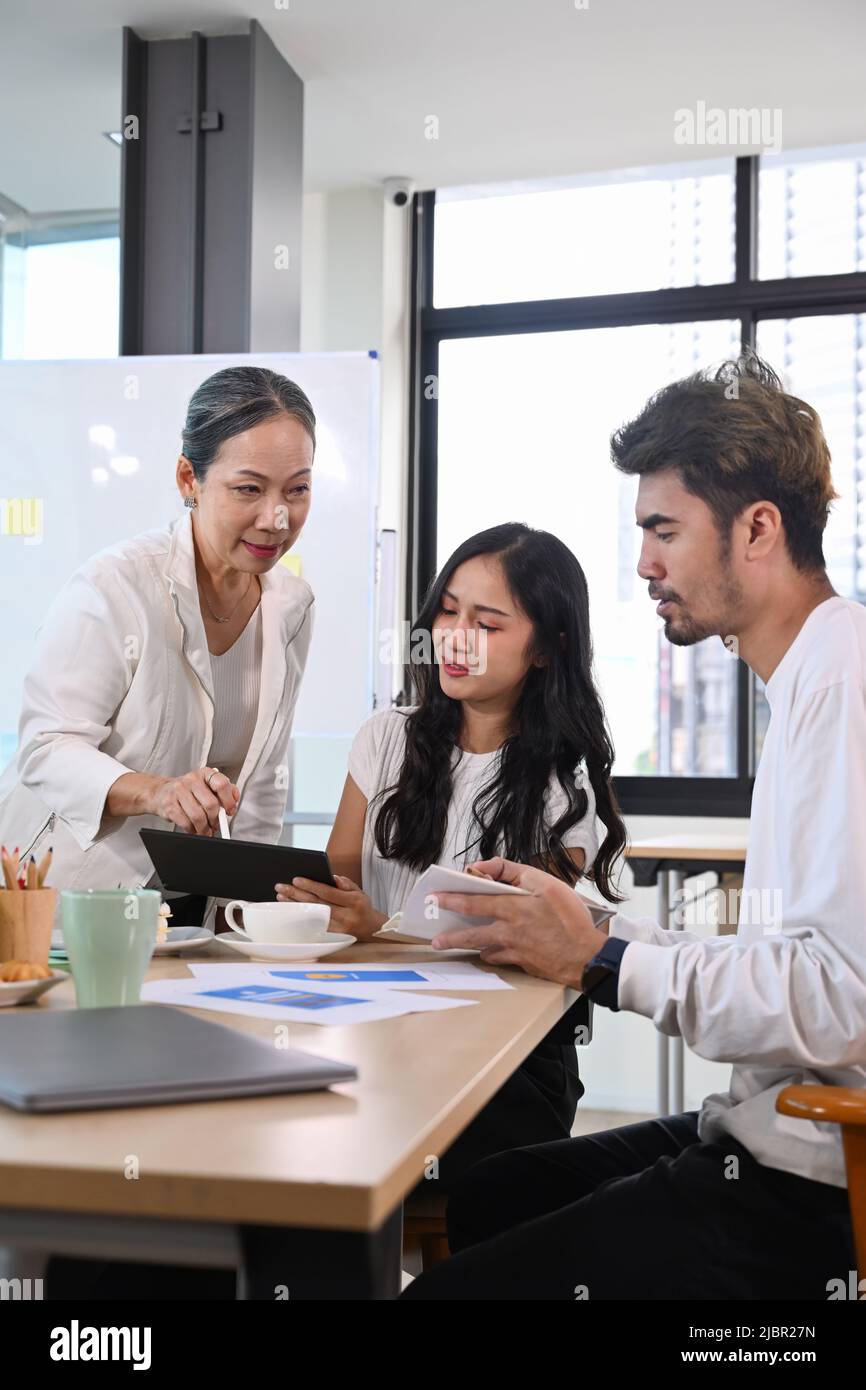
(223, 818)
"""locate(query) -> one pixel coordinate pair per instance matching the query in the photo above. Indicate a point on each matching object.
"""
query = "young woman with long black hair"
(505, 752)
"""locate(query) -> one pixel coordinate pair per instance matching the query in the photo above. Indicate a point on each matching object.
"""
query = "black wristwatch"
(600, 978)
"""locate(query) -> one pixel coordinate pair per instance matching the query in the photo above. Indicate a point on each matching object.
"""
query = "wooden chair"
(845, 1106)
(424, 1227)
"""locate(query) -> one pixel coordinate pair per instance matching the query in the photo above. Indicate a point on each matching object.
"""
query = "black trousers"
(536, 1105)
(643, 1212)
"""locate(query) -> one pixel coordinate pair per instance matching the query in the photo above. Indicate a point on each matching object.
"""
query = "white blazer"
(121, 682)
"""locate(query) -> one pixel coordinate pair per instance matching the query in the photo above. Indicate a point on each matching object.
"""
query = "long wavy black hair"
(559, 722)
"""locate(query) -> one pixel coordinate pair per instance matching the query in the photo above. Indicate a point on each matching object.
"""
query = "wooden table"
(666, 861)
(329, 1166)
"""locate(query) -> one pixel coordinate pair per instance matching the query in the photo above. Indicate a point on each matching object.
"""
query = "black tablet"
(221, 868)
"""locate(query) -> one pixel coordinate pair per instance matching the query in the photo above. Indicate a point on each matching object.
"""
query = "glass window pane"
(524, 428)
(822, 359)
(599, 235)
(810, 213)
(319, 766)
(60, 298)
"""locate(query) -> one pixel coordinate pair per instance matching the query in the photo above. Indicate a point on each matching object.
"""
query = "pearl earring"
(190, 502)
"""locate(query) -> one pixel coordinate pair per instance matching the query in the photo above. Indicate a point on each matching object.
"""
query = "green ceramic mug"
(109, 936)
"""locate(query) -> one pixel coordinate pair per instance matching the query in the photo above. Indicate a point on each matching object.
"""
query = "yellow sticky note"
(293, 563)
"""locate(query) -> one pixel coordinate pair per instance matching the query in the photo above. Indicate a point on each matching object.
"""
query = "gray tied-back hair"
(234, 400)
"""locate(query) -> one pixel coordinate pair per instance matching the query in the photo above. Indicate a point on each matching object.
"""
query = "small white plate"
(182, 939)
(286, 950)
(23, 991)
(391, 928)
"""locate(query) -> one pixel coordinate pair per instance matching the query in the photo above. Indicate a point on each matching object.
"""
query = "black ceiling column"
(211, 195)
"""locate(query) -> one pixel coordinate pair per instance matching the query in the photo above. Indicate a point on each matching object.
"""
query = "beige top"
(237, 676)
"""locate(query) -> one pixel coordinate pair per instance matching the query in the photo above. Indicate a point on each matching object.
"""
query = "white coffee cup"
(275, 922)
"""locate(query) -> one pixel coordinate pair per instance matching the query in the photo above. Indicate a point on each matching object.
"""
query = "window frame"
(745, 298)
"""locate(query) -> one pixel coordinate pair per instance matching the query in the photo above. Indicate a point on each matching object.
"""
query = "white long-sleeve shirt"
(785, 999)
(122, 681)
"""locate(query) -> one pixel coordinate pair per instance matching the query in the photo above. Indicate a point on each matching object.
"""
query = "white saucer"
(286, 950)
(23, 991)
(182, 939)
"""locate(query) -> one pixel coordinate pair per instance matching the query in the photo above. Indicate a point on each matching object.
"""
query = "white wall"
(354, 297)
(355, 292)
(341, 293)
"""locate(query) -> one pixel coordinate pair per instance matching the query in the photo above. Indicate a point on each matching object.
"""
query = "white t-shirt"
(375, 762)
(785, 999)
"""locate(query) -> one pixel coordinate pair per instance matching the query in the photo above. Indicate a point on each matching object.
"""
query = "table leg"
(273, 1262)
(291, 1264)
(22, 1271)
(677, 1047)
(662, 911)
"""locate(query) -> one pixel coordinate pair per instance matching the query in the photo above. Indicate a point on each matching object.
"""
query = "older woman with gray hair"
(166, 672)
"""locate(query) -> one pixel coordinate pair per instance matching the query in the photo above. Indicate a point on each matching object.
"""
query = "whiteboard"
(88, 451)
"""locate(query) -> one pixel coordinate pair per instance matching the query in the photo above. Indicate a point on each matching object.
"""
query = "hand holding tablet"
(422, 917)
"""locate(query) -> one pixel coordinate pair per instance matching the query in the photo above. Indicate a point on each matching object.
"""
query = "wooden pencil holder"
(26, 923)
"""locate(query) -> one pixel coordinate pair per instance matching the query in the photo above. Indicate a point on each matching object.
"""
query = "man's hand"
(548, 933)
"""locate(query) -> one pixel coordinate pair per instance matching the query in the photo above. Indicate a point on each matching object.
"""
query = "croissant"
(23, 970)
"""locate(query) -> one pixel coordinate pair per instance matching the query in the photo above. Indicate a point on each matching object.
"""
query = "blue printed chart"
(379, 978)
(259, 995)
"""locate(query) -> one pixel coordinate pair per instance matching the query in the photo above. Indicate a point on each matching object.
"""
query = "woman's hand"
(351, 909)
(192, 802)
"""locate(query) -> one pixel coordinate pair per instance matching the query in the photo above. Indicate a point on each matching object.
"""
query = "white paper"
(597, 911)
(270, 975)
(424, 920)
(450, 974)
(263, 998)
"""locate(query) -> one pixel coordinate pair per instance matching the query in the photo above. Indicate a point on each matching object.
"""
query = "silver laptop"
(146, 1054)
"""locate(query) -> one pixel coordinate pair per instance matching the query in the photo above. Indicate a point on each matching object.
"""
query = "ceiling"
(521, 89)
